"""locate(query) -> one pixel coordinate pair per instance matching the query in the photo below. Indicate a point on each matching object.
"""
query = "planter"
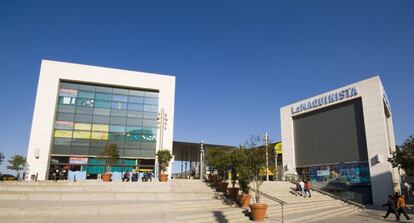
(163, 177)
(223, 187)
(233, 192)
(245, 200)
(258, 211)
(106, 177)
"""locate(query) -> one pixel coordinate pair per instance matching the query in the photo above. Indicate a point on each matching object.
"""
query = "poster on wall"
(78, 160)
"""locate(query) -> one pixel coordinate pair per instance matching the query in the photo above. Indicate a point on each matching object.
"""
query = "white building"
(79, 109)
(344, 137)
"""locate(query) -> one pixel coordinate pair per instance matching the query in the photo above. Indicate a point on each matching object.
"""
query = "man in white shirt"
(302, 188)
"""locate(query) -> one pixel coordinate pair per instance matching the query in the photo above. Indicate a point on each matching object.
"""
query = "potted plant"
(109, 155)
(249, 172)
(163, 157)
(245, 197)
(234, 158)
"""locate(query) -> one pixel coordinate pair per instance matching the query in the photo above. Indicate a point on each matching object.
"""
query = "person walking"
(391, 207)
(401, 206)
(302, 188)
(307, 188)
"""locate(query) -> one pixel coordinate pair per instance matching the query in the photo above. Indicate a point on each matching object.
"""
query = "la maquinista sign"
(325, 100)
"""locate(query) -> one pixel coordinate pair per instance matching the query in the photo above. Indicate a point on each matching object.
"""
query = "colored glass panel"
(63, 134)
(68, 92)
(83, 126)
(99, 135)
(101, 128)
(81, 134)
(63, 125)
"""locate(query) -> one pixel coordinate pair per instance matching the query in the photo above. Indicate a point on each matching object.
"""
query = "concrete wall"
(47, 97)
(378, 129)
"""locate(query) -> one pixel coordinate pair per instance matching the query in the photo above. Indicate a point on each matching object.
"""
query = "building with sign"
(343, 138)
(79, 109)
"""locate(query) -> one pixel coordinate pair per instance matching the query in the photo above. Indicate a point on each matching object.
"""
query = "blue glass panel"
(117, 128)
(118, 97)
(133, 129)
(102, 104)
(152, 101)
(119, 105)
(136, 99)
(135, 107)
(103, 96)
(86, 94)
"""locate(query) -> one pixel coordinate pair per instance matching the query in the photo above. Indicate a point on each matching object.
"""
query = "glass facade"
(90, 116)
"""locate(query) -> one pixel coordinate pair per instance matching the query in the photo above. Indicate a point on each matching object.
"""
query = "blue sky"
(236, 62)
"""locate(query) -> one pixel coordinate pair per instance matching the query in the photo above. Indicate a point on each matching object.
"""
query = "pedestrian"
(401, 206)
(302, 188)
(391, 207)
(126, 177)
(307, 188)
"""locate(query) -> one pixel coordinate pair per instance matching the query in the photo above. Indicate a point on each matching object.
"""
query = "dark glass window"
(102, 111)
(118, 113)
(67, 108)
(101, 119)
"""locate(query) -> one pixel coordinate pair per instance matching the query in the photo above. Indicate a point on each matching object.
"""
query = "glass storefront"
(346, 173)
(344, 179)
(88, 117)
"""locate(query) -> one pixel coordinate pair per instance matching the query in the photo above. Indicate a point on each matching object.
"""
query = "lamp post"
(266, 138)
(162, 125)
(201, 160)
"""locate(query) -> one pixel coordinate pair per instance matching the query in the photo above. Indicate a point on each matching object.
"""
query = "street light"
(266, 138)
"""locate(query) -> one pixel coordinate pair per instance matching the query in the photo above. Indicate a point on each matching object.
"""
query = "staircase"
(95, 201)
(318, 208)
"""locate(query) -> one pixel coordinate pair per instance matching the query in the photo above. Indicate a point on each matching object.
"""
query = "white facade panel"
(53, 72)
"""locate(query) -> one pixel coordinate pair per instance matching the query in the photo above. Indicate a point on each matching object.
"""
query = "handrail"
(336, 196)
(281, 202)
(340, 198)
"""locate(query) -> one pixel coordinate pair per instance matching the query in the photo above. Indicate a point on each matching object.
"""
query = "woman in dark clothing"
(391, 207)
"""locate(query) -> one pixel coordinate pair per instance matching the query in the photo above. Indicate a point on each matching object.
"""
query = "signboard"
(278, 148)
(324, 100)
(321, 173)
(78, 160)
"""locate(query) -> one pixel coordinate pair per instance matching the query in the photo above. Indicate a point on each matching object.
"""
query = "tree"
(109, 155)
(252, 161)
(17, 163)
(1, 157)
(403, 157)
(218, 159)
(163, 157)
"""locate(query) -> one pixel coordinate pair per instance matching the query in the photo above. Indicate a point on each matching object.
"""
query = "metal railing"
(281, 202)
(338, 193)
